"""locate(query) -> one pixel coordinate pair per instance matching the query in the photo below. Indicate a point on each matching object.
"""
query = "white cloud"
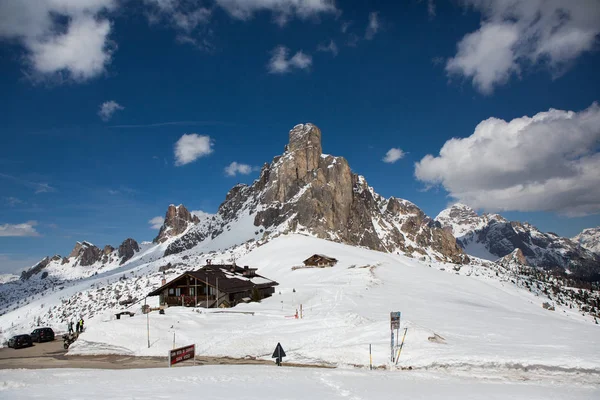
(108, 108)
(281, 64)
(373, 26)
(548, 162)
(393, 155)
(13, 201)
(25, 229)
(236, 168)
(515, 34)
(431, 8)
(156, 222)
(38, 187)
(64, 38)
(283, 10)
(331, 47)
(191, 147)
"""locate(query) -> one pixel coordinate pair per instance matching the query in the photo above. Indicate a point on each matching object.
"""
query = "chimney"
(163, 282)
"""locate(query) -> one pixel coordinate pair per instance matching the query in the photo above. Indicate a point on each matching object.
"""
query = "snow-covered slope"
(589, 239)
(491, 236)
(482, 319)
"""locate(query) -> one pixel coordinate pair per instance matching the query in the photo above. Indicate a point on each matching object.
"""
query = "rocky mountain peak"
(127, 249)
(177, 220)
(589, 239)
(303, 190)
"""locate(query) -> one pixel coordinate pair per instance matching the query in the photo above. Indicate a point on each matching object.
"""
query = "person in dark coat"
(70, 327)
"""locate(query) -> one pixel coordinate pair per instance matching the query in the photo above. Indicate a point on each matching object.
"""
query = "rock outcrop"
(36, 269)
(304, 190)
(177, 220)
(86, 253)
(127, 250)
(493, 237)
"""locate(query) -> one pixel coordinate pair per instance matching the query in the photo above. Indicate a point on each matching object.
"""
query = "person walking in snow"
(81, 324)
(70, 327)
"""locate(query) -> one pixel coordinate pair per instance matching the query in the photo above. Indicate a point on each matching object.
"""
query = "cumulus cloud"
(515, 34)
(280, 63)
(548, 162)
(393, 155)
(61, 38)
(156, 222)
(192, 146)
(108, 108)
(373, 26)
(283, 10)
(25, 229)
(237, 168)
(188, 17)
(331, 47)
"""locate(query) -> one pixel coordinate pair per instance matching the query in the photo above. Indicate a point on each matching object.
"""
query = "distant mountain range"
(491, 236)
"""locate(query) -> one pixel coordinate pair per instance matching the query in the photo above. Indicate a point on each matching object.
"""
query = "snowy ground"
(486, 324)
(264, 383)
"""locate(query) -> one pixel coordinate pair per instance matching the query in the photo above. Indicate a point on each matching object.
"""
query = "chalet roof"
(321, 256)
(231, 279)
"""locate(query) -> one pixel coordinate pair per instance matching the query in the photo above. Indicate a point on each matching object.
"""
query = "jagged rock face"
(177, 220)
(304, 190)
(589, 239)
(127, 249)
(501, 238)
(107, 250)
(87, 253)
(36, 269)
(516, 257)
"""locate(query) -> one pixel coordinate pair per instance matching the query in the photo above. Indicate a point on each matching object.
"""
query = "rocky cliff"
(491, 236)
(177, 220)
(304, 190)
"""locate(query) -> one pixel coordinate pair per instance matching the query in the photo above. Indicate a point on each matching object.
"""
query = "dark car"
(16, 342)
(42, 335)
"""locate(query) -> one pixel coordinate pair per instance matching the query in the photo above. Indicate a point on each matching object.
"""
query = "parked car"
(42, 335)
(18, 341)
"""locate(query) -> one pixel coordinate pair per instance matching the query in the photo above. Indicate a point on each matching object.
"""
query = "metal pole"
(207, 291)
(217, 297)
(370, 358)
(195, 292)
(147, 321)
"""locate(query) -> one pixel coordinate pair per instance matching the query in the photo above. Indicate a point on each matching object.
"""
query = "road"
(52, 355)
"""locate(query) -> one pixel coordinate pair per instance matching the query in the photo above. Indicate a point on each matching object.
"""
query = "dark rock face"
(87, 253)
(36, 269)
(127, 249)
(177, 220)
(305, 190)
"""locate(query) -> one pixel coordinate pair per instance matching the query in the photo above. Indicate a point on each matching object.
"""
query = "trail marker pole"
(147, 321)
(370, 358)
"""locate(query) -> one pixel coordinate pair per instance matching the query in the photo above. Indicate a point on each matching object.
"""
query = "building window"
(171, 291)
(178, 292)
(192, 291)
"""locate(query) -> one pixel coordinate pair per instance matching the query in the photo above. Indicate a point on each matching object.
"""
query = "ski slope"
(486, 325)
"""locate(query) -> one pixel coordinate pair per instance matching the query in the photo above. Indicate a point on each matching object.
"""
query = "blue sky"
(232, 78)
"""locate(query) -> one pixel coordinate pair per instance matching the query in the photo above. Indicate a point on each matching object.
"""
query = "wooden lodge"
(319, 260)
(215, 286)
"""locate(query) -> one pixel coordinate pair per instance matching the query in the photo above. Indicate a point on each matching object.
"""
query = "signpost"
(278, 354)
(182, 354)
(394, 324)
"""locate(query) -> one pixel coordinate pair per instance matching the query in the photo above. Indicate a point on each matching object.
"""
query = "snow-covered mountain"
(491, 236)
(306, 191)
(589, 239)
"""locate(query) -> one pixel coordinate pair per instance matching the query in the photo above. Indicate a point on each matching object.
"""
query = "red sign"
(182, 354)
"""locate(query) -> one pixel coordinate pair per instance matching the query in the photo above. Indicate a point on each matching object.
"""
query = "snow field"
(486, 325)
(266, 383)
